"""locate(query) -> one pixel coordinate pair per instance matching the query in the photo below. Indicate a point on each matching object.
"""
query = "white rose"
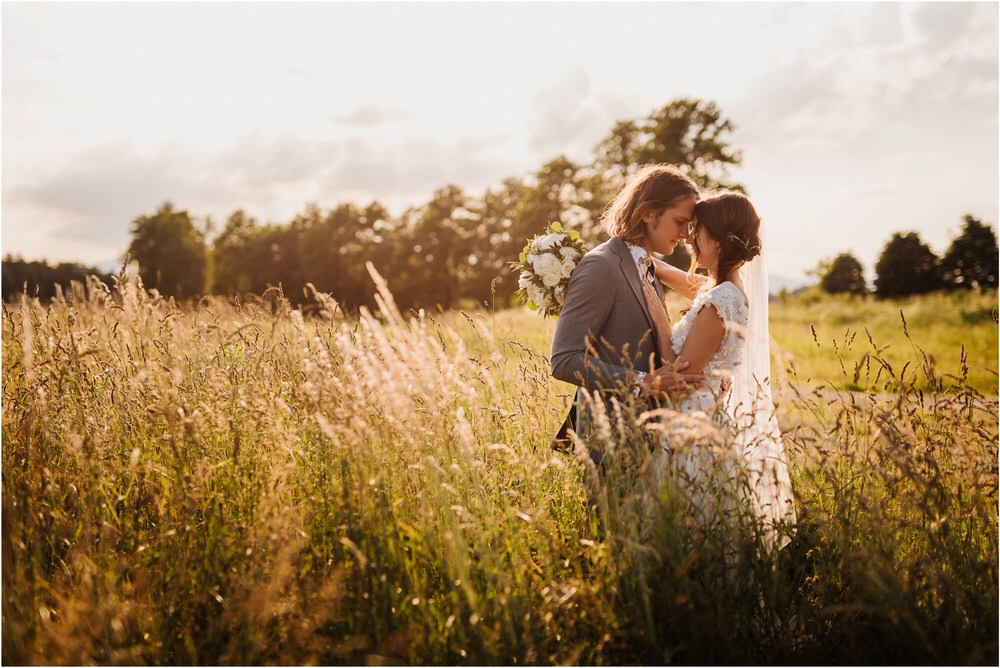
(524, 280)
(549, 269)
(569, 253)
(530, 259)
(560, 294)
(546, 242)
(567, 267)
(537, 295)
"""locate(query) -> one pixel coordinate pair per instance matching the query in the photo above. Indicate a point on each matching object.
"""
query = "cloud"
(373, 114)
(567, 117)
(975, 69)
(885, 25)
(880, 192)
(306, 74)
(942, 24)
(89, 202)
(793, 105)
(846, 89)
(256, 162)
(411, 169)
(98, 192)
(104, 188)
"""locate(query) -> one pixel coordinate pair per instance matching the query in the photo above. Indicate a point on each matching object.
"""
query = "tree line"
(907, 266)
(451, 251)
(38, 278)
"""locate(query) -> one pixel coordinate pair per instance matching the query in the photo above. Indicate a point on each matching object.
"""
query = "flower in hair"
(751, 250)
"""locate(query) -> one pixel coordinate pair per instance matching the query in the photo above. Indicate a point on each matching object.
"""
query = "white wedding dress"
(732, 307)
(721, 447)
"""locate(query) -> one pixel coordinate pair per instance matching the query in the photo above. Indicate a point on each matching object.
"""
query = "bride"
(723, 442)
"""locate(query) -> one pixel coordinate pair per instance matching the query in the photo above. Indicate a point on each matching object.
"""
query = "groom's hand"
(671, 381)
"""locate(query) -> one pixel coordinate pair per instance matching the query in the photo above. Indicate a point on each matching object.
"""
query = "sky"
(856, 120)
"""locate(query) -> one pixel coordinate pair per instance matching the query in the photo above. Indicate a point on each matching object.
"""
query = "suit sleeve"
(589, 299)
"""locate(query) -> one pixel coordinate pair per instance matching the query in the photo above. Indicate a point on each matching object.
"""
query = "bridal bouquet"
(545, 265)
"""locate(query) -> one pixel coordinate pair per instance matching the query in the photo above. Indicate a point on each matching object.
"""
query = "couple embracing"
(614, 339)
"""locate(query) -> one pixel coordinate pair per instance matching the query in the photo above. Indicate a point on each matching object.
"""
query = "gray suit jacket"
(604, 333)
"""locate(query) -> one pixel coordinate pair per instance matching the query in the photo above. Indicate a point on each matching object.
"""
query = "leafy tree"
(38, 279)
(276, 261)
(565, 191)
(616, 152)
(170, 251)
(551, 197)
(500, 236)
(440, 231)
(971, 259)
(907, 266)
(843, 274)
(331, 251)
(232, 270)
(593, 192)
(688, 132)
(361, 236)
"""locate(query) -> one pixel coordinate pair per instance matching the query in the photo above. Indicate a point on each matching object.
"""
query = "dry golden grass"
(240, 485)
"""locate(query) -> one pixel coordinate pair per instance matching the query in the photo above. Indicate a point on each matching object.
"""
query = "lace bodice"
(731, 306)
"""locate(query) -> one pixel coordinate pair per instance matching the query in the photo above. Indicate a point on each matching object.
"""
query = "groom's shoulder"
(600, 262)
(606, 251)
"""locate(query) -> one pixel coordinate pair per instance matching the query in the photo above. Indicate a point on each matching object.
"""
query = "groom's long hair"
(652, 188)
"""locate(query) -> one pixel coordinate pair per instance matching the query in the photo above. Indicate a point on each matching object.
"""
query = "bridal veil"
(750, 406)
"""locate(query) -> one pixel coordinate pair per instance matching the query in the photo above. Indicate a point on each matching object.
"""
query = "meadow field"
(227, 483)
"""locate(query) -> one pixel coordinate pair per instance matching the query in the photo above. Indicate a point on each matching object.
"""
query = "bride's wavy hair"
(730, 219)
(652, 188)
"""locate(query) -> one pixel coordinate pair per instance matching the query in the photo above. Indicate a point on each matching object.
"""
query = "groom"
(611, 325)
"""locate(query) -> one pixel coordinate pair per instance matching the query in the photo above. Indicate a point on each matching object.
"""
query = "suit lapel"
(627, 265)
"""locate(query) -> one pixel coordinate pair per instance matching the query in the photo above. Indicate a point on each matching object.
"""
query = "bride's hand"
(663, 330)
(671, 381)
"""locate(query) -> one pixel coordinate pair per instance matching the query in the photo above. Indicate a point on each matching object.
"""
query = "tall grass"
(237, 484)
(942, 326)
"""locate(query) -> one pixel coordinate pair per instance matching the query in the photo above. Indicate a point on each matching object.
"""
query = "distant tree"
(336, 246)
(381, 238)
(232, 270)
(501, 235)
(330, 253)
(440, 231)
(907, 266)
(275, 256)
(552, 195)
(563, 191)
(843, 274)
(616, 153)
(170, 251)
(38, 279)
(688, 132)
(971, 259)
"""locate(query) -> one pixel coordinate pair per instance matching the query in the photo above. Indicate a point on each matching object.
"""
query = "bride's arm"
(681, 281)
(661, 325)
(702, 342)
